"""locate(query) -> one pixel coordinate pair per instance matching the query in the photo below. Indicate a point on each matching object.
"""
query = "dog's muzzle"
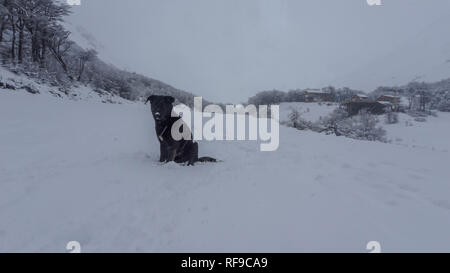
(157, 116)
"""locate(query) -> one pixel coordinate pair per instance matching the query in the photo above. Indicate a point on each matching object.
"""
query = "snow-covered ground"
(22, 83)
(89, 172)
(434, 134)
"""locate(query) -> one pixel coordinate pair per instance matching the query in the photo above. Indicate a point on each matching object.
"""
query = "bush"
(363, 126)
(391, 118)
(297, 122)
(444, 106)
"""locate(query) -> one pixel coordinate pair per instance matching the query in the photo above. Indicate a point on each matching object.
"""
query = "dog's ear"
(169, 99)
(149, 99)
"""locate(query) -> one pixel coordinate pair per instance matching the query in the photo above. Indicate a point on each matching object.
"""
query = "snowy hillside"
(433, 134)
(308, 111)
(88, 171)
(19, 83)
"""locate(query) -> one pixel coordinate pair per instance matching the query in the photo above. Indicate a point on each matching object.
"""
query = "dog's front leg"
(163, 153)
(193, 154)
(172, 153)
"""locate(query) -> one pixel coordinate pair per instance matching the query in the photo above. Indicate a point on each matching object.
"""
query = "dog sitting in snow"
(179, 151)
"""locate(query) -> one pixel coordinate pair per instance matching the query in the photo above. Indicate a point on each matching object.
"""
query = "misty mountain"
(422, 57)
(129, 85)
(37, 43)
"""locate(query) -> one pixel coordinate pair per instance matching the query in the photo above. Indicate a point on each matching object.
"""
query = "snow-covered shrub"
(334, 117)
(296, 121)
(329, 123)
(444, 105)
(363, 126)
(31, 89)
(293, 116)
(434, 114)
(391, 117)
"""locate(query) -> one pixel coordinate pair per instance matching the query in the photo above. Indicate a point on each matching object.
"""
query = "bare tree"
(85, 57)
(20, 25)
(59, 44)
(4, 17)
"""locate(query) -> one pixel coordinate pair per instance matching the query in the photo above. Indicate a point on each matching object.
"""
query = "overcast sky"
(227, 50)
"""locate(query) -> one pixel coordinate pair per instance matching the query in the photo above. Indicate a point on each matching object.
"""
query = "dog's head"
(161, 107)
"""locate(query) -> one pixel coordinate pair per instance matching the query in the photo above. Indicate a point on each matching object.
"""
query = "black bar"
(186, 263)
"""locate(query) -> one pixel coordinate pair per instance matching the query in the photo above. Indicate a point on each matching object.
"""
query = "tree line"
(299, 95)
(32, 35)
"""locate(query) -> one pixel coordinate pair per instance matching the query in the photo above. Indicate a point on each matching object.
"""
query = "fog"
(227, 50)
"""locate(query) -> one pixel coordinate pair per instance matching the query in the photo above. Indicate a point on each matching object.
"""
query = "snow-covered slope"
(308, 111)
(433, 134)
(87, 171)
(16, 83)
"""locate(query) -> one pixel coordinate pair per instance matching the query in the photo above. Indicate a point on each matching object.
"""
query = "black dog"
(182, 151)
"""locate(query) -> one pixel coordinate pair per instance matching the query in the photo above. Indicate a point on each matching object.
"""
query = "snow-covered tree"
(84, 58)
(391, 117)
